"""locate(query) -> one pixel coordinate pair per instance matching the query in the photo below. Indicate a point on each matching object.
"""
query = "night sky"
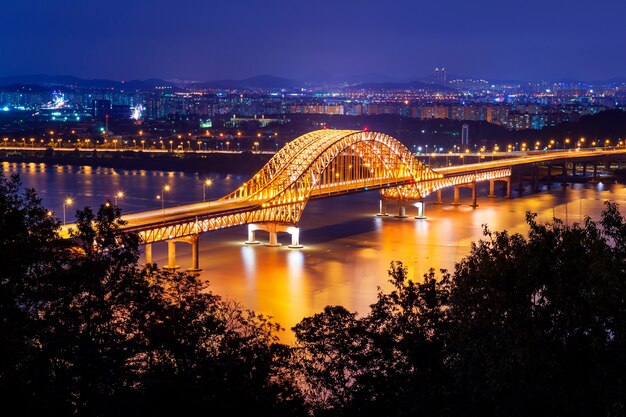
(233, 39)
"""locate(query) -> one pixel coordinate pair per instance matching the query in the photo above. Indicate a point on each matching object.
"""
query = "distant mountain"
(323, 78)
(260, 81)
(616, 80)
(413, 85)
(320, 79)
(75, 82)
(570, 81)
(40, 79)
(30, 88)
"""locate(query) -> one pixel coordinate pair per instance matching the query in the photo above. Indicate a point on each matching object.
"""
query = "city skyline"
(203, 41)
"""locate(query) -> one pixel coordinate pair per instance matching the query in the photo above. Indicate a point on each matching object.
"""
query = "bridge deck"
(224, 207)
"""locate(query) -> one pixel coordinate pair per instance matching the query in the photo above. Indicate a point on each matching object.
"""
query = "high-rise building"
(100, 108)
(440, 76)
(465, 136)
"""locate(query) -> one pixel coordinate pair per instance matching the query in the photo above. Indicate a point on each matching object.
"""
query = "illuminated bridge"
(321, 164)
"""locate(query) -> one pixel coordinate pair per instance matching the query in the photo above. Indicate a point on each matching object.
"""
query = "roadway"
(215, 208)
(137, 150)
(531, 158)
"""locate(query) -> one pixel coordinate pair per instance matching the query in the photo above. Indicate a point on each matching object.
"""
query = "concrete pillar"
(584, 170)
(535, 182)
(438, 197)
(148, 253)
(252, 235)
(492, 185)
(382, 208)
(273, 239)
(474, 196)
(272, 229)
(595, 171)
(573, 169)
(195, 246)
(401, 209)
(420, 210)
(455, 201)
(549, 176)
(171, 255)
(295, 237)
(508, 187)
(564, 170)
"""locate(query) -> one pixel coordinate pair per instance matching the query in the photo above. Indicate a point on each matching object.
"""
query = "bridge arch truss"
(321, 164)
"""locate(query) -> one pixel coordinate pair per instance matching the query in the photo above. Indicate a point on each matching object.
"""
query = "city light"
(68, 202)
(166, 188)
(117, 196)
(205, 184)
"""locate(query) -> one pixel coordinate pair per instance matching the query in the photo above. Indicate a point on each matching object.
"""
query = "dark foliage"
(524, 326)
(85, 331)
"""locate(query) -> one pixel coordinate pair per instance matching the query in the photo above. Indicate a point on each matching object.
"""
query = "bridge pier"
(401, 209)
(273, 228)
(193, 240)
(455, 201)
(195, 249)
(382, 209)
(420, 206)
(549, 177)
(438, 197)
(295, 238)
(252, 235)
(534, 180)
(171, 255)
(492, 186)
(474, 195)
(148, 253)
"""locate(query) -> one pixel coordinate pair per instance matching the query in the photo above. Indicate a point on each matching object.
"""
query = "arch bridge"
(319, 164)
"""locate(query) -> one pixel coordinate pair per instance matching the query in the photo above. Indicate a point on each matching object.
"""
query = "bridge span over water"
(322, 164)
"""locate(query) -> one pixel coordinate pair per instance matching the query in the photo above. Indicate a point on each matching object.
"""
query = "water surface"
(347, 249)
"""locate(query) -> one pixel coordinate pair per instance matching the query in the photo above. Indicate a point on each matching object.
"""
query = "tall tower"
(440, 76)
(465, 136)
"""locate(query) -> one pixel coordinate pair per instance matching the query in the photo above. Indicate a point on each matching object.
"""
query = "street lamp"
(67, 202)
(165, 188)
(205, 184)
(117, 195)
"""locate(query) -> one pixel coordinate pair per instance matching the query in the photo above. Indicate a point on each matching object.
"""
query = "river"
(347, 249)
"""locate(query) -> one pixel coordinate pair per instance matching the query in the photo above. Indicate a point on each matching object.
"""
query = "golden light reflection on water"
(347, 248)
(346, 268)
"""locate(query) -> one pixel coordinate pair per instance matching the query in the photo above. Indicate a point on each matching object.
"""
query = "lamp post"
(117, 195)
(165, 188)
(67, 202)
(205, 184)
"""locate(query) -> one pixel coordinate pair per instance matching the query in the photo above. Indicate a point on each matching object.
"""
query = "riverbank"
(245, 162)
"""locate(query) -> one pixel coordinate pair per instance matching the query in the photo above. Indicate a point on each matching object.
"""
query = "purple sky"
(219, 39)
